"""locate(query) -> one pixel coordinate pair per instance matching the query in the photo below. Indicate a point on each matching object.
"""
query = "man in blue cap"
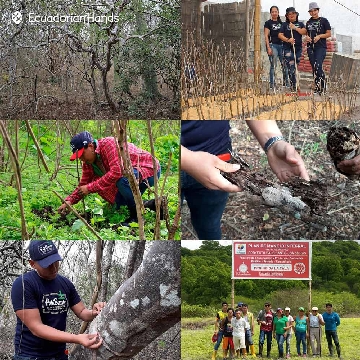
(102, 172)
(41, 299)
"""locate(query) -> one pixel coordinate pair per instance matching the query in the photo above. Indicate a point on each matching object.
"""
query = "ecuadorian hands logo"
(16, 17)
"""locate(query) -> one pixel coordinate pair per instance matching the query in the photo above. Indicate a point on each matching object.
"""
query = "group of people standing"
(284, 42)
(236, 329)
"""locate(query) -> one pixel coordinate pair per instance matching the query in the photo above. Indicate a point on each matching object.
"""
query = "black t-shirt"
(206, 135)
(316, 27)
(285, 29)
(274, 27)
(53, 298)
(228, 329)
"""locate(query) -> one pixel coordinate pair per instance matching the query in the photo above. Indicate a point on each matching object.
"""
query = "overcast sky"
(344, 21)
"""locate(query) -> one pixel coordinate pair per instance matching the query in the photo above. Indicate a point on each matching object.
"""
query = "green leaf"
(134, 224)
(98, 211)
(266, 216)
(77, 225)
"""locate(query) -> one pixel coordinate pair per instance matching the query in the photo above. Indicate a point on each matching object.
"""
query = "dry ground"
(247, 217)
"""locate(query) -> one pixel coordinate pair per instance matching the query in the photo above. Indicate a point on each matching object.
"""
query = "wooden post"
(233, 293)
(257, 53)
(247, 32)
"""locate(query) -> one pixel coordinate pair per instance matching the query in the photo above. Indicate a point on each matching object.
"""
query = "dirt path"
(247, 217)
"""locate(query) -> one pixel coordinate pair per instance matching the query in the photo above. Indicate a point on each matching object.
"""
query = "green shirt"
(279, 324)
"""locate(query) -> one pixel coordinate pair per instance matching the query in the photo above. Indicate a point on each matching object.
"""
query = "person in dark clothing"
(318, 30)
(274, 46)
(41, 299)
(291, 33)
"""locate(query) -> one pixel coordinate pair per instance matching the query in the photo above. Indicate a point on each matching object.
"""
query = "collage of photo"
(179, 179)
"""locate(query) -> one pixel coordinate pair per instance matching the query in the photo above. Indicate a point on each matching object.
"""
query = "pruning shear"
(228, 156)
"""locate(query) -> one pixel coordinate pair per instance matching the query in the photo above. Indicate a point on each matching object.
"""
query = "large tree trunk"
(144, 307)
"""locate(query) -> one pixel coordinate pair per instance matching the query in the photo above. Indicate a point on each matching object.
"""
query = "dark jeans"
(300, 338)
(289, 60)
(332, 334)
(268, 335)
(22, 357)
(124, 196)
(206, 207)
(248, 337)
(317, 57)
(218, 342)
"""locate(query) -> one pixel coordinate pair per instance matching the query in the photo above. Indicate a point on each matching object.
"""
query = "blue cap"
(240, 304)
(78, 142)
(44, 252)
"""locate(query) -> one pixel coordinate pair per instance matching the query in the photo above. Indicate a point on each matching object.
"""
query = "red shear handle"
(224, 157)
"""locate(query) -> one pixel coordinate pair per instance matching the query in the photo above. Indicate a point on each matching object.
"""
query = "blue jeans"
(289, 59)
(280, 340)
(277, 50)
(268, 335)
(21, 357)
(124, 196)
(218, 342)
(317, 57)
(300, 338)
(206, 207)
(248, 337)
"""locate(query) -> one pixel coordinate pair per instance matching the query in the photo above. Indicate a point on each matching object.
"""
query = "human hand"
(316, 38)
(83, 190)
(63, 209)
(90, 341)
(308, 39)
(292, 26)
(351, 167)
(285, 162)
(97, 308)
(291, 41)
(205, 168)
(269, 51)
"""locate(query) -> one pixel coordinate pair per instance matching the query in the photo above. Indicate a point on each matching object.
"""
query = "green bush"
(191, 311)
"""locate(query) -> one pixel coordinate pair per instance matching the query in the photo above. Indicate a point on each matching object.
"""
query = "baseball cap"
(301, 309)
(291, 9)
(287, 308)
(44, 252)
(79, 142)
(314, 308)
(240, 304)
(214, 338)
(279, 309)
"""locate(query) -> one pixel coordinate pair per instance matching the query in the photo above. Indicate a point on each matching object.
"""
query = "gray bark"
(144, 307)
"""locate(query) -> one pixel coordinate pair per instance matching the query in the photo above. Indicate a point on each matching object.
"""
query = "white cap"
(314, 308)
(287, 308)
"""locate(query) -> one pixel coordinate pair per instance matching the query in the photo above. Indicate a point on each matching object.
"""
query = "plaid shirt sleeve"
(86, 178)
(110, 152)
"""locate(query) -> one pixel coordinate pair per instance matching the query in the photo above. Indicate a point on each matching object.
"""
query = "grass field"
(196, 342)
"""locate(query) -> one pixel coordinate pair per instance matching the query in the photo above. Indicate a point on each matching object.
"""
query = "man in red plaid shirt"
(101, 172)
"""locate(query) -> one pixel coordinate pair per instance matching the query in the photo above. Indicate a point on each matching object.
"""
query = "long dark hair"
(278, 18)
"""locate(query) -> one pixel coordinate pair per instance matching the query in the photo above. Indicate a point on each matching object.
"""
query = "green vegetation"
(196, 340)
(40, 203)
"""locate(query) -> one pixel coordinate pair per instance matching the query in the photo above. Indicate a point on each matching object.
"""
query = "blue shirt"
(53, 299)
(332, 320)
(285, 29)
(206, 135)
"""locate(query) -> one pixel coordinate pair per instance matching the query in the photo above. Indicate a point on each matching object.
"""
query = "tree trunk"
(144, 307)
(135, 257)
